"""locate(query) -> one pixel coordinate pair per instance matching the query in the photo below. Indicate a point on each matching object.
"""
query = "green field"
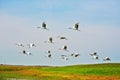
(108, 71)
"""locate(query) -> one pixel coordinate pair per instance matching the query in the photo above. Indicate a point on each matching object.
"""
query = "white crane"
(43, 26)
(95, 57)
(64, 48)
(27, 53)
(31, 45)
(50, 40)
(49, 55)
(75, 54)
(106, 59)
(64, 57)
(62, 38)
(93, 54)
(75, 27)
(20, 44)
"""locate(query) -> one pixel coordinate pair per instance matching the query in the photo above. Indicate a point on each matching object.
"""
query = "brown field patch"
(64, 76)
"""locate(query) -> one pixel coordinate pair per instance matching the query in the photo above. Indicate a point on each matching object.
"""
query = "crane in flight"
(75, 27)
(64, 48)
(75, 54)
(27, 53)
(20, 44)
(95, 55)
(64, 57)
(106, 59)
(43, 26)
(31, 45)
(50, 40)
(62, 38)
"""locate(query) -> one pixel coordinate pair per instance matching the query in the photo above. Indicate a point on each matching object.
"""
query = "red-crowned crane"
(20, 44)
(64, 48)
(106, 59)
(43, 26)
(50, 40)
(31, 45)
(75, 27)
(64, 57)
(75, 54)
(62, 38)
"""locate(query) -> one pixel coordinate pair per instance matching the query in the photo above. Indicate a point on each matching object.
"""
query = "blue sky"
(99, 25)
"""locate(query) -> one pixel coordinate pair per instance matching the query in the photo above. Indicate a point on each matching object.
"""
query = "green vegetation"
(96, 69)
(104, 71)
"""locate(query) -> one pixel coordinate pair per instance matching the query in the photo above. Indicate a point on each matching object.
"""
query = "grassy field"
(108, 71)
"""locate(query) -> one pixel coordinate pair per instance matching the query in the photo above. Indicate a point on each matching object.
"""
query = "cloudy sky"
(99, 30)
